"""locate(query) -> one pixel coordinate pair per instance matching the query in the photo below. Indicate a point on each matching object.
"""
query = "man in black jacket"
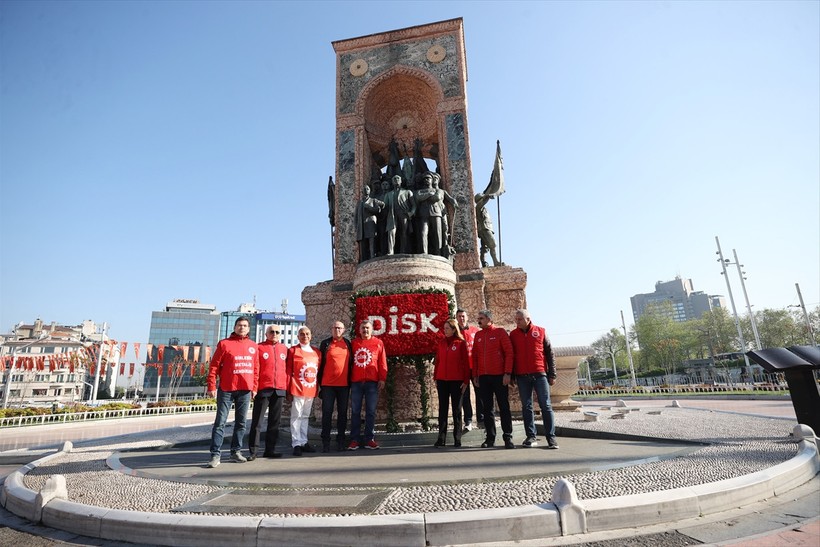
(335, 368)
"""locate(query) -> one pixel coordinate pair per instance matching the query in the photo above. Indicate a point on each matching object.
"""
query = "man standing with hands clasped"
(236, 363)
(534, 368)
(492, 368)
(335, 370)
(271, 391)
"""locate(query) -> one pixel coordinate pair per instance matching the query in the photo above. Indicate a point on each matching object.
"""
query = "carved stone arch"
(401, 103)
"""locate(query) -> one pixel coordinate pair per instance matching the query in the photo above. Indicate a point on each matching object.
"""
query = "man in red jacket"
(271, 391)
(236, 363)
(368, 377)
(492, 368)
(468, 331)
(534, 368)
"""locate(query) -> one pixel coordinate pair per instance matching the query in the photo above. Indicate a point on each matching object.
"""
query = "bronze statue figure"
(365, 219)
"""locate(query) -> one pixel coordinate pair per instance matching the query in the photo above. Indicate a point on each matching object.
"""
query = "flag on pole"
(137, 350)
(496, 185)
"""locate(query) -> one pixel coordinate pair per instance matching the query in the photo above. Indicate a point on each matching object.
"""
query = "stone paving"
(736, 445)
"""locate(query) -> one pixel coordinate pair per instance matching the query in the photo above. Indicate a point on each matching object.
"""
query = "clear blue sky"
(161, 150)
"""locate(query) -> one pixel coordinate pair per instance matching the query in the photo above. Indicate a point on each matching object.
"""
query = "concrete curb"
(443, 528)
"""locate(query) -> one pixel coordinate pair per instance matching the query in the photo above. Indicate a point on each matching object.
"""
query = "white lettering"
(379, 324)
(426, 322)
(408, 324)
(393, 319)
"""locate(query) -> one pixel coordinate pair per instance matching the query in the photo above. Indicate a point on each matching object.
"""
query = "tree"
(777, 328)
(661, 338)
(608, 346)
(718, 331)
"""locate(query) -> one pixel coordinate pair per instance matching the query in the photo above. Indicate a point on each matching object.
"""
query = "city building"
(179, 343)
(52, 363)
(260, 320)
(685, 302)
(184, 335)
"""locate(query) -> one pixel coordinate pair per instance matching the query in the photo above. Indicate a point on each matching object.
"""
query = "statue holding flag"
(483, 221)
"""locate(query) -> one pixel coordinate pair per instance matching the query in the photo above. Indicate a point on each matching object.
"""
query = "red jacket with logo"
(492, 352)
(369, 360)
(533, 351)
(236, 362)
(452, 360)
(302, 369)
(272, 367)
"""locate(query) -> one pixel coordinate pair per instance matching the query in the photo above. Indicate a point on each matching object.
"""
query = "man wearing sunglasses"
(273, 385)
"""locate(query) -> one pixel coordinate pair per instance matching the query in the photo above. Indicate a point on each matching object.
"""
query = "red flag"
(208, 353)
(137, 350)
(202, 369)
(131, 370)
(93, 369)
(196, 353)
(123, 347)
(122, 369)
(185, 351)
(51, 365)
(159, 368)
(149, 348)
(160, 353)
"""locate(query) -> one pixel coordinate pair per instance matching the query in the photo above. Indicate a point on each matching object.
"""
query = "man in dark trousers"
(492, 369)
(273, 384)
(466, 404)
(335, 368)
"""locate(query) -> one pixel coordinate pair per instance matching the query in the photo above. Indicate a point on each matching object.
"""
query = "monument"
(401, 112)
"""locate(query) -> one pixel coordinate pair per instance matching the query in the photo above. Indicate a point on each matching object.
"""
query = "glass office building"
(175, 333)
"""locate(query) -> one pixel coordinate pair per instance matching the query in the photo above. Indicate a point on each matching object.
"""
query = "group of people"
(490, 358)
(338, 371)
(344, 372)
(398, 217)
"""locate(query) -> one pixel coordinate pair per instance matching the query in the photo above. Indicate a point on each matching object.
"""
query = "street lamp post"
(14, 352)
(732, 300)
(99, 364)
(752, 319)
(805, 314)
(628, 351)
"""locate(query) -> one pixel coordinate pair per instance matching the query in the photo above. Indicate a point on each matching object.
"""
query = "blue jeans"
(369, 391)
(537, 382)
(224, 400)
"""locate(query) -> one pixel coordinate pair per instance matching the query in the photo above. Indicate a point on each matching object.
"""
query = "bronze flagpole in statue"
(494, 189)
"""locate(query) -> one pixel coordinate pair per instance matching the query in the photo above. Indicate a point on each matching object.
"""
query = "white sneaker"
(215, 460)
(238, 457)
(468, 427)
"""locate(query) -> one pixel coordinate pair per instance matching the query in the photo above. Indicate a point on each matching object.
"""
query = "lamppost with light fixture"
(732, 301)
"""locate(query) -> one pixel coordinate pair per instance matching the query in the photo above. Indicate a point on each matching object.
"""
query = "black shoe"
(488, 444)
(340, 446)
(508, 443)
(272, 455)
(439, 443)
(251, 457)
(457, 444)
(325, 448)
(297, 450)
(307, 447)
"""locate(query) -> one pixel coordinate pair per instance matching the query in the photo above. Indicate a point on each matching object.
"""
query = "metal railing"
(71, 417)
